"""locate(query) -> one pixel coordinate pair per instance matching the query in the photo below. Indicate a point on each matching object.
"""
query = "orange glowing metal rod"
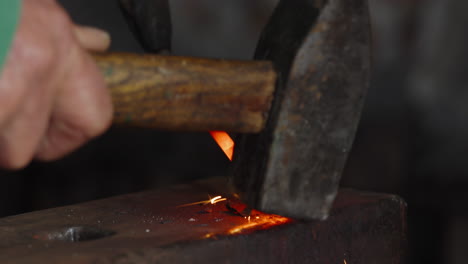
(225, 142)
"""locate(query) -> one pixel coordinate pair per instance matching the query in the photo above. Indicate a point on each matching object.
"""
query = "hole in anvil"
(80, 234)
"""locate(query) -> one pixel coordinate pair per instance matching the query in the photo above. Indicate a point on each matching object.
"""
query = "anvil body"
(151, 227)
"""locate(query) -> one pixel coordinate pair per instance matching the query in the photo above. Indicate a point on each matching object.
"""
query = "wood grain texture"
(189, 94)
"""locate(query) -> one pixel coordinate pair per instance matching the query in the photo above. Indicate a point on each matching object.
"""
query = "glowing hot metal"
(261, 221)
(255, 220)
(225, 142)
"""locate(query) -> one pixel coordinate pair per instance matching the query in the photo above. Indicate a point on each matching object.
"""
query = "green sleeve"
(9, 16)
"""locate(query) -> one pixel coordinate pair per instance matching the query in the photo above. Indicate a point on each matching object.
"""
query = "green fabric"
(9, 16)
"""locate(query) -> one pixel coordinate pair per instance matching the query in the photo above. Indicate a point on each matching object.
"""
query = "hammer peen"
(298, 104)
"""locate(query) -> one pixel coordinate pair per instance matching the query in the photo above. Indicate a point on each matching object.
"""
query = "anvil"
(155, 227)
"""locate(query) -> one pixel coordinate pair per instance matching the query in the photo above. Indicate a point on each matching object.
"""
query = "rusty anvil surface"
(151, 227)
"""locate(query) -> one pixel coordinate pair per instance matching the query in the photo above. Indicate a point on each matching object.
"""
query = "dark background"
(412, 140)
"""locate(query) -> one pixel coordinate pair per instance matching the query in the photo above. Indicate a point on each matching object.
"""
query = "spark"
(253, 221)
(264, 222)
(217, 199)
(214, 200)
(225, 142)
(209, 235)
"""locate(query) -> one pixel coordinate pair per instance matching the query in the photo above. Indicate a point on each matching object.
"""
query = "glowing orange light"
(251, 220)
(264, 222)
(345, 261)
(209, 235)
(225, 142)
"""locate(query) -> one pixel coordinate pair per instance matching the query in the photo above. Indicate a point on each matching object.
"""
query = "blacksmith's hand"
(52, 97)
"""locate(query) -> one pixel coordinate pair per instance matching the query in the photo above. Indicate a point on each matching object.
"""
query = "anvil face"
(157, 227)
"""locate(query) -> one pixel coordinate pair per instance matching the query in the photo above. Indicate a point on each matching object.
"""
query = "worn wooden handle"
(189, 94)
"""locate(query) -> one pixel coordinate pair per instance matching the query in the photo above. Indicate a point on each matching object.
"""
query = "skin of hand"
(53, 98)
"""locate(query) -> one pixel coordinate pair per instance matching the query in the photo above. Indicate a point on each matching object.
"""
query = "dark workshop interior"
(412, 140)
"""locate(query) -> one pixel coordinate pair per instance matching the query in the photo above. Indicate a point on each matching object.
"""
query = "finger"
(92, 39)
(21, 136)
(27, 85)
(21, 133)
(83, 110)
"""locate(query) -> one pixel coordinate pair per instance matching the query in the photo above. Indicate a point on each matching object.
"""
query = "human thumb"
(92, 39)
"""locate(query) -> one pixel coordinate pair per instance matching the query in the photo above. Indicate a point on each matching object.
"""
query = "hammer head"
(150, 21)
(321, 51)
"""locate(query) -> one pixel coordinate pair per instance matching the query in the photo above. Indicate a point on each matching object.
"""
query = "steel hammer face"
(322, 54)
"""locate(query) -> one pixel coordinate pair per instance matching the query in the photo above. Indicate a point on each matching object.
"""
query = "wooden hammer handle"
(189, 94)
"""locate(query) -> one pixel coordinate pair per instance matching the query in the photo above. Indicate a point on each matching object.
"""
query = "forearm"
(9, 16)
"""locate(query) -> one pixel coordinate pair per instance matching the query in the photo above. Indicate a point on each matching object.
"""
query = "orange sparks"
(214, 200)
(225, 142)
(264, 222)
(217, 199)
(249, 222)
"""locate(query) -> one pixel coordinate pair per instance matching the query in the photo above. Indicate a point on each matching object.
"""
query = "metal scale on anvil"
(297, 106)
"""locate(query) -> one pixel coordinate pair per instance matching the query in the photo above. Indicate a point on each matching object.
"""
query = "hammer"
(297, 105)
